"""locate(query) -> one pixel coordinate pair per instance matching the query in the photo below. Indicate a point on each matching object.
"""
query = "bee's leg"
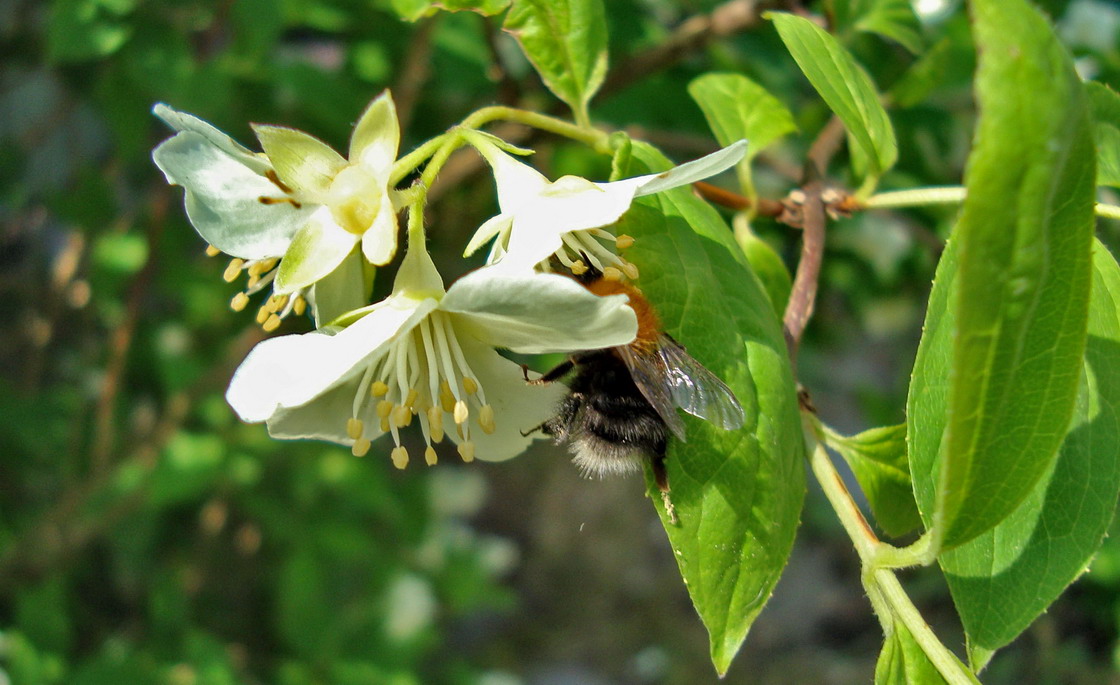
(556, 373)
(661, 477)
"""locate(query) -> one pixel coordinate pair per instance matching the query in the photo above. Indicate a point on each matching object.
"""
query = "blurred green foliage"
(146, 536)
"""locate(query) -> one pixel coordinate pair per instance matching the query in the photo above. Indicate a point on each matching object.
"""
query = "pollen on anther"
(378, 389)
(399, 455)
(430, 456)
(360, 447)
(624, 241)
(578, 268)
(233, 269)
(446, 399)
(400, 414)
(466, 451)
(239, 302)
(212, 251)
(435, 423)
(271, 323)
(470, 385)
(630, 270)
(411, 399)
(354, 428)
(263, 314)
(384, 425)
(300, 305)
(611, 273)
(486, 419)
(384, 408)
(460, 412)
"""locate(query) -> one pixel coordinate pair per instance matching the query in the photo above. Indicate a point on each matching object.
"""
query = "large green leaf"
(1106, 113)
(1003, 579)
(843, 85)
(566, 40)
(737, 494)
(877, 457)
(1022, 287)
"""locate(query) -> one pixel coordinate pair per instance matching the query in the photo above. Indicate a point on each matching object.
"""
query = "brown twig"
(415, 70)
(736, 201)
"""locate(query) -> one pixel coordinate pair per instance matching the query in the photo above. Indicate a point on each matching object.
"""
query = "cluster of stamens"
(261, 273)
(423, 375)
(588, 244)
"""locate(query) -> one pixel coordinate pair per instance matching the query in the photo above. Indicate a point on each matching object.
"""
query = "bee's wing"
(697, 390)
(653, 378)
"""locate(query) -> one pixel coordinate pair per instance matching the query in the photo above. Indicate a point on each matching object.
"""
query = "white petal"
(302, 161)
(693, 171)
(379, 242)
(294, 370)
(493, 226)
(538, 313)
(181, 121)
(376, 136)
(316, 250)
(518, 406)
(224, 198)
(517, 183)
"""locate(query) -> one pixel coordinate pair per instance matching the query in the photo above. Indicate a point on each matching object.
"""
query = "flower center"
(425, 375)
(354, 198)
(261, 274)
(588, 244)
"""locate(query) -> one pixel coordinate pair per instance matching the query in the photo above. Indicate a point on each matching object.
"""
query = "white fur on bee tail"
(597, 458)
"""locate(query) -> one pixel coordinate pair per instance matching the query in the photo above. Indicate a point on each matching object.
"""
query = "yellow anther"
(300, 305)
(378, 389)
(612, 274)
(466, 451)
(239, 302)
(624, 241)
(384, 425)
(256, 269)
(578, 268)
(399, 456)
(411, 399)
(630, 270)
(278, 302)
(446, 399)
(263, 314)
(435, 423)
(460, 412)
(253, 280)
(469, 385)
(384, 408)
(400, 416)
(430, 456)
(232, 270)
(271, 323)
(408, 414)
(486, 419)
(212, 251)
(354, 428)
(360, 447)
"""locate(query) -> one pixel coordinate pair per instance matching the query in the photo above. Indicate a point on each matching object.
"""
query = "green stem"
(888, 599)
(583, 133)
(403, 166)
(1107, 211)
(917, 197)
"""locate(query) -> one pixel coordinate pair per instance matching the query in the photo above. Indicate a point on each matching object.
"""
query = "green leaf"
(87, 29)
(902, 661)
(765, 262)
(412, 10)
(924, 75)
(1021, 291)
(844, 85)
(1106, 113)
(1003, 579)
(892, 19)
(877, 457)
(566, 40)
(737, 494)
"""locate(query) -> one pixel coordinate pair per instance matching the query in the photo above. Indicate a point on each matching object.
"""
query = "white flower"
(541, 218)
(299, 207)
(428, 355)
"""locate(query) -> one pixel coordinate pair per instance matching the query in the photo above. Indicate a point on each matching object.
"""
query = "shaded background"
(146, 536)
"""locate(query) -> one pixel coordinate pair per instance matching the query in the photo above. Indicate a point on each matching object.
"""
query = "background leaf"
(902, 661)
(877, 457)
(843, 85)
(1106, 115)
(1003, 579)
(1023, 285)
(566, 40)
(738, 494)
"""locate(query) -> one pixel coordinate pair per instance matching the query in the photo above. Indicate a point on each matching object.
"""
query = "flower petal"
(316, 250)
(342, 290)
(224, 198)
(493, 226)
(181, 121)
(376, 136)
(379, 242)
(538, 313)
(693, 171)
(303, 162)
(517, 183)
(294, 370)
(518, 406)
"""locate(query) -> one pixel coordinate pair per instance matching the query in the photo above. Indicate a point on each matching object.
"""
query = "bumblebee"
(621, 408)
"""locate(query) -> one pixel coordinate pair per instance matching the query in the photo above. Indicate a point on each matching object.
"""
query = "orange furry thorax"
(649, 325)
